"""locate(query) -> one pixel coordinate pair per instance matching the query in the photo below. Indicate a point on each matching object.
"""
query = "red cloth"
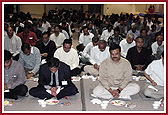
(31, 38)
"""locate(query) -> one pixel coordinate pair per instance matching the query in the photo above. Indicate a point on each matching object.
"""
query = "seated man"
(115, 76)
(84, 39)
(86, 52)
(116, 38)
(30, 59)
(134, 31)
(46, 46)
(14, 77)
(53, 75)
(138, 56)
(159, 42)
(57, 37)
(27, 36)
(155, 77)
(107, 33)
(12, 43)
(98, 54)
(127, 43)
(69, 55)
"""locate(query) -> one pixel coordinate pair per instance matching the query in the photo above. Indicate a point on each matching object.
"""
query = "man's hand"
(154, 83)
(96, 66)
(29, 75)
(139, 68)
(114, 93)
(44, 54)
(53, 91)
(5, 86)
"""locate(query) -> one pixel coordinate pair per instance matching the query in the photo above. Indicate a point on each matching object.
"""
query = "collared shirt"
(51, 82)
(85, 39)
(156, 72)
(155, 47)
(98, 56)
(115, 74)
(31, 61)
(46, 43)
(71, 58)
(58, 39)
(105, 35)
(87, 50)
(15, 75)
(114, 40)
(136, 34)
(46, 25)
(125, 46)
(13, 44)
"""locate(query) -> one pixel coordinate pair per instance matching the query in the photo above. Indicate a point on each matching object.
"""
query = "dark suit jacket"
(20, 29)
(63, 74)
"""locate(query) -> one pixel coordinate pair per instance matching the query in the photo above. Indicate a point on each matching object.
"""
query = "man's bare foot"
(66, 97)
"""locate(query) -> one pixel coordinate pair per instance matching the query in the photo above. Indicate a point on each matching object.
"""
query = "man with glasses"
(138, 56)
(69, 55)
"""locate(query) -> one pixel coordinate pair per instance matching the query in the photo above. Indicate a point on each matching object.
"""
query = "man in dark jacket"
(53, 76)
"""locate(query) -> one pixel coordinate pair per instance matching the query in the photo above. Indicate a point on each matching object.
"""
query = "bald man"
(159, 42)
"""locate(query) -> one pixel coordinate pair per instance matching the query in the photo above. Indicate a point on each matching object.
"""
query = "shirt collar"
(117, 62)
(31, 50)
(46, 43)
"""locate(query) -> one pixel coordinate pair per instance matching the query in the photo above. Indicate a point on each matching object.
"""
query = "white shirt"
(58, 40)
(70, 58)
(97, 56)
(66, 34)
(105, 35)
(125, 46)
(46, 25)
(156, 72)
(13, 44)
(85, 39)
(87, 49)
(155, 47)
(136, 34)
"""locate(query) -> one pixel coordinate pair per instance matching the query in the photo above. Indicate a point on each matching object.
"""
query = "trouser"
(19, 90)
(27, 72)
(152, 93)
(130, 89)
(76, 71)
(91, 70)
(85, 60)
(41, 92)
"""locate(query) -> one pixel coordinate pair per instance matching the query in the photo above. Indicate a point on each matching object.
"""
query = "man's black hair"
(25, 46)
(53, 62)
(46, 33)
(95, 39)
(114, 47)
(7, 55)
(67, 41)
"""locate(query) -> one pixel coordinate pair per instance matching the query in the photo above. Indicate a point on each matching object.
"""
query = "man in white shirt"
(84, 39)
(127, 43)
(46, 24)
(155, 45)
(12, 43)
(86, 52)
(155, 77)
(134, 31)
(57, 37)
(107, 33)
(69, 56)
(98, 54)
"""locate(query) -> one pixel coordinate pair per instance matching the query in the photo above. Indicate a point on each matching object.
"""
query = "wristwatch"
(118, 90)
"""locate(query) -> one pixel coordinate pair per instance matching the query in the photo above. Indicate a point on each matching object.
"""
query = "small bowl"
(157, 102)
(155, 106)
(137, 78)
(105, 102)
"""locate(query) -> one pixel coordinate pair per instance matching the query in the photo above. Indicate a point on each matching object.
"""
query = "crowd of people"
(112, 47)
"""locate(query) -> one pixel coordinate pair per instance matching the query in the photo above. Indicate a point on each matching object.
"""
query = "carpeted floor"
(81, 101)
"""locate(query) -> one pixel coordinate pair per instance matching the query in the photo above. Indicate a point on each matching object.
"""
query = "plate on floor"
(118, 102)
(52, 102)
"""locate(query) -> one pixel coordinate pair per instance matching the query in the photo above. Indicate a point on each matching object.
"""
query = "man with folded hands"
(115, 76)
(54, 76)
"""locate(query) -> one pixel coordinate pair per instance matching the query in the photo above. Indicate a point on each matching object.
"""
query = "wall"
(34, 9)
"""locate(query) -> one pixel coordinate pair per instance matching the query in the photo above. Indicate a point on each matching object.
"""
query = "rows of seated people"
(32, 43)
